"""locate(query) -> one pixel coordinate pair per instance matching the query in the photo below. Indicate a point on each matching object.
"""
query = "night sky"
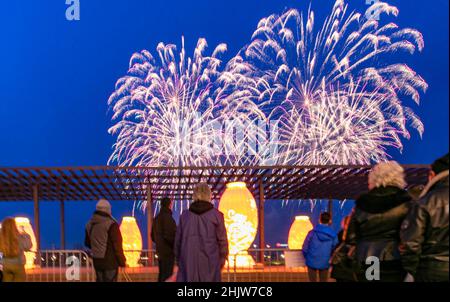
(57, 76)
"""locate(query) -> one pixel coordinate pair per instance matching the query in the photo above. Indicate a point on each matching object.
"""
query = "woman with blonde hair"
(374, 228)
(13, 244)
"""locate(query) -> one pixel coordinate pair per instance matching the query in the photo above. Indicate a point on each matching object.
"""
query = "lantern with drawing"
(241, 221)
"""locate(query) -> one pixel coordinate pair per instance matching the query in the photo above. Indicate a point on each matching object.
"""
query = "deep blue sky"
(56, 77)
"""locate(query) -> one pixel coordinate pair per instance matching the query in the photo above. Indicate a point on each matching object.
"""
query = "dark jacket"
(104, 239)
(201, 245)
(163, 234)
(424, 245)
(318, 247)
(342, 261)
(375, 230)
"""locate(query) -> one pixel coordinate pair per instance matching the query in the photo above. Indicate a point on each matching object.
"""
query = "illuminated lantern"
(24, 226)
(241, 221)
(132, 241)
(298, 232)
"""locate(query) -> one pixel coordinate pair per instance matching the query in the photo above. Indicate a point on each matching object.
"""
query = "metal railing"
(61, 266)
(76, 265)
(277, 266)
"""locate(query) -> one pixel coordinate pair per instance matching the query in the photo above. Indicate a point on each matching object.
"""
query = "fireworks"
(297, 94)
(342, 126)
(297, 70)
(179, 111)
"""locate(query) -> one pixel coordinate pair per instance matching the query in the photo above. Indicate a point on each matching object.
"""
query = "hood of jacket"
(200, 207)
(101, 217)
(382, 199)
(324, 232)
(440, 180)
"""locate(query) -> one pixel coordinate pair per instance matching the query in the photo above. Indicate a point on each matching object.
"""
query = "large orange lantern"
(131, 241)
(241, 221)
(24, 226)
(298, 232)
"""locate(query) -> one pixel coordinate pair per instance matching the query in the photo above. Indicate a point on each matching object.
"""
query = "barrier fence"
(278, 265)
(61, 266)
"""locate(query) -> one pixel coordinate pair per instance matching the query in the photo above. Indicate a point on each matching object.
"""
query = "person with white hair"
(104, 239)
(374, 228)
(201, 244)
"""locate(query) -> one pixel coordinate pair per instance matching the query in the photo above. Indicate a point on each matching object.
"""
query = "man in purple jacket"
(201, 244)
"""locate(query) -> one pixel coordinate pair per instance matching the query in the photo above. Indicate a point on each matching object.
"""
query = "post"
(330, 209)
(149, 222)
(62, 225)
(37, 225)
(262, 241)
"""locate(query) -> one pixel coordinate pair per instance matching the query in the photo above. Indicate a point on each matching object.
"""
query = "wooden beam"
(37, 223)
(262, 241)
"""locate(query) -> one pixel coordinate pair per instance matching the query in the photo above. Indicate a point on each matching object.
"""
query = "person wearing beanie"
(424, 233)
(201, 244)
(163, 235)
(104, 239)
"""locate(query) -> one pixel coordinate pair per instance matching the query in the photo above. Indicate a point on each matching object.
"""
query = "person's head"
(440, 165)
(9, 238)
(387, 174)
(202, 192)
(103, 206)
(166, 203)
(325, 218)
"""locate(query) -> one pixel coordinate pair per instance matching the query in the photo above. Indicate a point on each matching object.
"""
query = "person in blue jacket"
(318, 248)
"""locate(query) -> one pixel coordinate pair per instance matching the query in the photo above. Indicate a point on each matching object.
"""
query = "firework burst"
(178, 111)
(296, 68)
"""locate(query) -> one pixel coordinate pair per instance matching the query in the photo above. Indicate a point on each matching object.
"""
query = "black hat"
(440, 164)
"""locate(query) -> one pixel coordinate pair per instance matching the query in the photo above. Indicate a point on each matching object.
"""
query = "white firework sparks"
(164, 108)
(349, 127)
(294, 65)
(178, 111)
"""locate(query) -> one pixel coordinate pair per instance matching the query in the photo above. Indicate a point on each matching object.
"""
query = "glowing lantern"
(132, 241)
(24, 226)
(298, 232)
(241, 221)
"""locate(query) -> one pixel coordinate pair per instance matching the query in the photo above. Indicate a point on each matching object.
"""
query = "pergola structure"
(62, 184)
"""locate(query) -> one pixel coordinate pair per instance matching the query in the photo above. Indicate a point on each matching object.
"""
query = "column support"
(262, 241)
(149, 222)
(37, 222)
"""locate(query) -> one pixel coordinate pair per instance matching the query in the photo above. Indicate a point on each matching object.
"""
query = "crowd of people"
(391, 235)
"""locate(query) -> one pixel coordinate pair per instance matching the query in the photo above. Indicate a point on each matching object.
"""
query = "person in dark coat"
(424, 236)
(318, 247)
(201, 244)
(104, 239)
(163, 234)
(342, 260)
(375, 225)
